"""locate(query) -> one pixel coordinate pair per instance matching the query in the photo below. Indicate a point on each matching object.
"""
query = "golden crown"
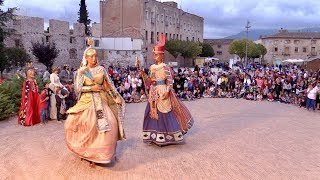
(29, 64)
(90, 42)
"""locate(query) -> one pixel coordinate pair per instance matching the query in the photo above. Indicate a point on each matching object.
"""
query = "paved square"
(231, 139)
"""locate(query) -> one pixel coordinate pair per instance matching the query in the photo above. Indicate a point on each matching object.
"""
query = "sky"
(221, 17)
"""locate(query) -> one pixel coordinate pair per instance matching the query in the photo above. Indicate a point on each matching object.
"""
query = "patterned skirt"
(162, 131)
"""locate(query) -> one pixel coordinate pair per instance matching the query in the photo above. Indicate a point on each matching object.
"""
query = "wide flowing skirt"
(162, 131)
(84, 139)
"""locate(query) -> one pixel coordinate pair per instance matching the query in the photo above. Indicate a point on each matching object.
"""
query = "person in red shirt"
(43, 104)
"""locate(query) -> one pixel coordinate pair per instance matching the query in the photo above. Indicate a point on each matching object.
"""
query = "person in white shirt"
(247, 81)
(312, 95)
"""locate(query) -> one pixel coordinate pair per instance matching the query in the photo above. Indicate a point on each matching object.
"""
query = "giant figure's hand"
(117, 100)
(96, 88)
(165, 95)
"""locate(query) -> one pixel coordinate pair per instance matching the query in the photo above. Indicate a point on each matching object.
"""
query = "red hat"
(159, 48)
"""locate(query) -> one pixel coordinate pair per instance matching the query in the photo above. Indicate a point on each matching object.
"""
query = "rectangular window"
(96, 43)
(287, 41)
(72, 40)
(219, 52)
(296, 49)
(157, 36)
(304, 49)
(146, 35)
(47, 39)
(275, 49)
(152, 37)
(313, 51)
(313, 41)
(296, 41)
(219, 46)
(17, 42)
(286, 51)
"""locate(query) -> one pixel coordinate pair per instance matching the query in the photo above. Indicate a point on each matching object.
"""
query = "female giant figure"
(95, 123)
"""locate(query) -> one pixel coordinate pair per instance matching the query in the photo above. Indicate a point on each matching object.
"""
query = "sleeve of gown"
(78, 83)
(169, 78)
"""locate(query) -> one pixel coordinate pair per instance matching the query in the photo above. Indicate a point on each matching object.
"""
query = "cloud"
(222, 17)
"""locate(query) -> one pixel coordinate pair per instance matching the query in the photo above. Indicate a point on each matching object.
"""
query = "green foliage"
(174, 47)
(16, 57)
(190, 49)
(253, 51)
(207, 50)
(84, 16)
(10, 94)
(46, 53)
(3, 60)
(238, 47)
(11, 91)
(6, 106)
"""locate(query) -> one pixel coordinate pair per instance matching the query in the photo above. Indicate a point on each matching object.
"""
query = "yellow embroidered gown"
(94, 124)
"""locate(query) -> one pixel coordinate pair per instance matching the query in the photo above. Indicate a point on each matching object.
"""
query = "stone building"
(291, 45)
(70, 42)
(130, 28)
(221, 49)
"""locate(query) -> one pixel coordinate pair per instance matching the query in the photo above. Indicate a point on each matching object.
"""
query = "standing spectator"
(311, 96)
(44, 101)
(66, 75)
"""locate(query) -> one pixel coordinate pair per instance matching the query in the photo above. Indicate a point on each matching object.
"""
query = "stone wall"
(31, 29)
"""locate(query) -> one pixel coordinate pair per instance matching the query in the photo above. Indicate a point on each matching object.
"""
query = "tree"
(238, 47)
(207, 50)
(174, 47)
(3, 61)
(16, 57)
(263, 51)
(253, 51)
(5, 16)
(190, 49)
(84, 16)
(46, 53)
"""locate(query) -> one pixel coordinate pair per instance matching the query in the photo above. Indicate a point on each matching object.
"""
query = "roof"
(218, 41)
(294, 35)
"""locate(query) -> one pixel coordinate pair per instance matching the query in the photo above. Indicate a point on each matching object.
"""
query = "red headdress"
(159, 48)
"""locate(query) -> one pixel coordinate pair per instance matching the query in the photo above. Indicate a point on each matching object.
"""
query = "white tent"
(294, 60)
(211, 59)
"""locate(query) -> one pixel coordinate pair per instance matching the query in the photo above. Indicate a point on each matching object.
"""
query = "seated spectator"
(143, 97)
(259, 96)
(270, 97)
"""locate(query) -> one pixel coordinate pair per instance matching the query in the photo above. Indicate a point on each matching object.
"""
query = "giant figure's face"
(30, 73)
(91, 57)
(158, 57)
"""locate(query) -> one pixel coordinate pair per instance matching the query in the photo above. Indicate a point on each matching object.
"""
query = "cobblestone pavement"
(231, 139)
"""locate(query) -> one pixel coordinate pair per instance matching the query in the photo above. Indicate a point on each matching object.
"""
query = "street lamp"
(247, 27)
